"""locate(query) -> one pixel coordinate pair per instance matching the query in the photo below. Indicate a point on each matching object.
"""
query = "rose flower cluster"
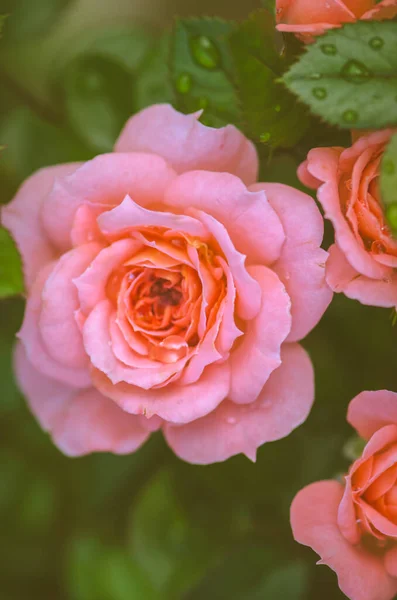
(168, 290)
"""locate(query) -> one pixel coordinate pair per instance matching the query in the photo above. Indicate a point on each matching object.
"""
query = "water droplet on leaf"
(204, 52)
(315, 76)
(265, 137)
(319, 93)
(184, 83)
(277, 108)
(328, 49)
(355, 72)
(350, 116)
(376, 43)
(203, 102)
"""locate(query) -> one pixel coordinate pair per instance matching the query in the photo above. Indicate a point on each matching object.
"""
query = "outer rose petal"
(361, 575)
(82, 421)
(301, 266)
(384, 10)
(283, 404)
(251, 222)
(174, 403)
(342, 277)
(104, 180)
(22, 218)
(259, 352)
(30, 336)
(370, 411)
(306, 177)
(58, 328)
(187, 144)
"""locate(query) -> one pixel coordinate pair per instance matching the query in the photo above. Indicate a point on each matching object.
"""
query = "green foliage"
(388, 182)
(11, 277)
(200, 69)
(349, 76)
(270, 113)
(152, 82)
(27, 18)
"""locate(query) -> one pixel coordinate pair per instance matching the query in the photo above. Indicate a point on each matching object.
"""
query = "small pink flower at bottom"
(363, 260)
(354, 527)
(309, 18)
(166, 289)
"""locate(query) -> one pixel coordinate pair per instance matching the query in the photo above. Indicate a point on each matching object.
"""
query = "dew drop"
(265, 137)
(350, 116)
(376, 43)
(184, 83)
(319, 93)
(277, 108)
(204, 52)
(355, 72)
(315, 76)
(231, 420)
(328, 49)
(203, 102)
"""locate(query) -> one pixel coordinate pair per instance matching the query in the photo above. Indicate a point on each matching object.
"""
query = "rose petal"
(187, 144)
(346, 519)
(259, 351)
(82, 421)
(105, 180)
(22, 219)
(30, 337)
(251, 222)
(361, 575)
(301, 266)
(370, 411)
(342, 277)
(174, 403)
(58, 328)
(232, 429)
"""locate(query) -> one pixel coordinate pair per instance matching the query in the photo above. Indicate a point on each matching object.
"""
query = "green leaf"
(98, 97)
(152, 83)
(27, 18)
(270, 113)
(349, 76)
(388, 182)
(287, 583)
(163, 541)
(11, 276)
(200, 68)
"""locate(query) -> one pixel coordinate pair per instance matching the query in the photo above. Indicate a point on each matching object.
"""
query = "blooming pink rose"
(163, 293)
(354, 527)
(364, 257)
(308, 18)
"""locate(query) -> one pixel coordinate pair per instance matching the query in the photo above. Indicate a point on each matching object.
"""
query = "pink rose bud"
(167, 290)
(308, 18)
(353, 527)
(363, 259)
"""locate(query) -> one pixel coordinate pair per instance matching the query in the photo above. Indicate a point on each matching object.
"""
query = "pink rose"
(308, 18)
(165, 294)
(354, 527)
(363, 259)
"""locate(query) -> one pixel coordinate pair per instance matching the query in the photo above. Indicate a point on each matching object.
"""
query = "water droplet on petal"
(231, 420)
(329, 49)
(184, 83)
(376, 43)
(350, 116)
(319, 93)
(355, 72)
(204, 52)
(265, 137)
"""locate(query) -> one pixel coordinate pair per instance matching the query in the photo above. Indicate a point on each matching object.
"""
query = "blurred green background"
(148, 526)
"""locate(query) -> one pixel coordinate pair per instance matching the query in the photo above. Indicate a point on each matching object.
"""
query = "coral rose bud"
(353, 527)
(363, 260)
(309, 18)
